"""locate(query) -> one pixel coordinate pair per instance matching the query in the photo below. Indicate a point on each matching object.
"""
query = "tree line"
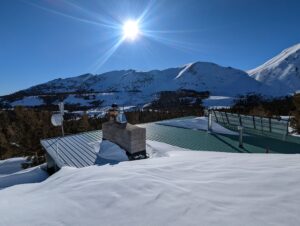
(21, 129)
(259, 105)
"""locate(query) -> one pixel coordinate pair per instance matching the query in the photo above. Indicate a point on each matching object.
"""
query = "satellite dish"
(57, 119)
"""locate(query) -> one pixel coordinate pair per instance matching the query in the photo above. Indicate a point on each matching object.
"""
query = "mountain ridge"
(140, 87)
(277, 77)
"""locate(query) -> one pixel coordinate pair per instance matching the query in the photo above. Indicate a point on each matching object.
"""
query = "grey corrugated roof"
(73, 150)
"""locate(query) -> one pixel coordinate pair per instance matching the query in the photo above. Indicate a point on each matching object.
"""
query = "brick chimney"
(129, 137)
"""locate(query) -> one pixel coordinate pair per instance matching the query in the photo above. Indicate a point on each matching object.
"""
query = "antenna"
(58, 119)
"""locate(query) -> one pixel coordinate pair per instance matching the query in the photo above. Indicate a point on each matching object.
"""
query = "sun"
(131, 30)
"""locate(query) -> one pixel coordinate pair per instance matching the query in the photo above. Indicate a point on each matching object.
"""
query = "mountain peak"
(275, 61)
(282, 71)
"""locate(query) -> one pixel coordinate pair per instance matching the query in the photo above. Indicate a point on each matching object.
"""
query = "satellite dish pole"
(62, 112)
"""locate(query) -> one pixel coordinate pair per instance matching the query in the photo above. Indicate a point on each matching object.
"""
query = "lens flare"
(131, 30)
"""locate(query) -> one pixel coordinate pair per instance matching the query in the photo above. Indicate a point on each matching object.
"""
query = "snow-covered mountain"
(277, 77)
(281, 72)
(200, 76)
(135, 87)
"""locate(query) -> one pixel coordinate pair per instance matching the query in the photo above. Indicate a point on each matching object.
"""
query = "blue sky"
(41, 40)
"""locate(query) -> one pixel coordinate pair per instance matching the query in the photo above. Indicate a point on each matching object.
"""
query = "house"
(79, 150)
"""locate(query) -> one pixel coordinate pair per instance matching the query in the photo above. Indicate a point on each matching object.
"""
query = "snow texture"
(11, 165)
(30, 101)
(109, 152)
(31, 175)
(11, 173)
(218, 102)
(179, 187)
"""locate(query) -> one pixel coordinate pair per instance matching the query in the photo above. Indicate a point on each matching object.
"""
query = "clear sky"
(41, 40)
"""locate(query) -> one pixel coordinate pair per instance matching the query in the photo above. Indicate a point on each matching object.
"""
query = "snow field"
(177, 187)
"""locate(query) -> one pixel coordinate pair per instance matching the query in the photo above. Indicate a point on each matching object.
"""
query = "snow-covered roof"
(73, 150)
(173, 187)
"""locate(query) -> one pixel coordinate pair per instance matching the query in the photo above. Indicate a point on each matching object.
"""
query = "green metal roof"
(78, 150)
(202, 140)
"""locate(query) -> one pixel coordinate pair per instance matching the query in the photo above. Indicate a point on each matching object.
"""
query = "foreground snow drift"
(108, 152)
(178, 188)
(31, 175)
(12, 173)
(11, 165)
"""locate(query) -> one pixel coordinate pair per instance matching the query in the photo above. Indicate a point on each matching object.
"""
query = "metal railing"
(274, 127)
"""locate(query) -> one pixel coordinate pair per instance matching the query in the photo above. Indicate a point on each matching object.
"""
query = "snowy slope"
(180, 187)
(282, 71)
(130, 87)
(199, 76)
(219, 101)
(218, 80)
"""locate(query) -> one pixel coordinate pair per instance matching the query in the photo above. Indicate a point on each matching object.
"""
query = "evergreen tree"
(296, 123)
(84, 124)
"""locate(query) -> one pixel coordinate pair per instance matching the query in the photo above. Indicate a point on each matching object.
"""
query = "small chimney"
(129, 137)
(113, 112)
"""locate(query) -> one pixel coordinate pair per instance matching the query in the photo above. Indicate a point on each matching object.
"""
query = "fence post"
(209, 126)
(240, 119)
(240, 129)
(253, 121)
(287, 126)
(227, 118)
(222, 117)
(215, 115)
